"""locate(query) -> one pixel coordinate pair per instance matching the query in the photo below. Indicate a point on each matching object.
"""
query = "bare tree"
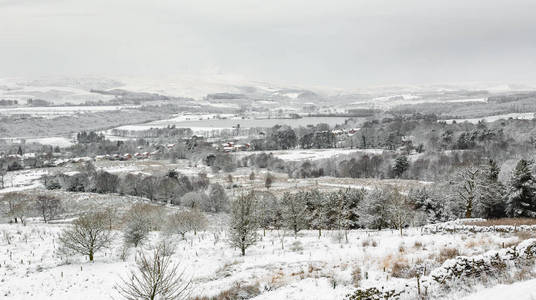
(155, 277)
(89, 234)
(243, 227)
(48, 206)
(400, 212)
(186, 221)
(15, 205)
(135, 232)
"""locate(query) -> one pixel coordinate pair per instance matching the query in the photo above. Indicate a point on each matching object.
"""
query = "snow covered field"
(280, 265)
(58, 111)
(523, 116)
(311, 154)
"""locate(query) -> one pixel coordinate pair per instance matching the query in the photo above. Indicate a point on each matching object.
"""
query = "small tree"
(135, 232)
(155, 277)
(400, 211)
(252, 176)
(48, 206)
(269, 180)
(243, 224)
(88, 234)
(400, 166)
(294, 211)
(374, 209)
(217, 199)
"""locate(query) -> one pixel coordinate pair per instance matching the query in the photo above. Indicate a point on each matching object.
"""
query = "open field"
(280, 266)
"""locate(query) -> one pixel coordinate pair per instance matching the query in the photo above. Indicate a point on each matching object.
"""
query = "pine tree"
(400, 166)
(521, 192)
(490, 203)
(294, 211)
(374, 209)
(317, 206)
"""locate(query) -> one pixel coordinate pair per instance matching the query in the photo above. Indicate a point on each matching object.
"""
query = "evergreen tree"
(374, 209)
(400, 166)
(317, 206)
(491, 202)
(294, 211)
(521, 192)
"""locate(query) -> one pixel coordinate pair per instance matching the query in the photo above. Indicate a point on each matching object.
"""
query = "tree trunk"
(319, 232)
(469, 208)
(400, 230)
(91, 255)
(243, 250)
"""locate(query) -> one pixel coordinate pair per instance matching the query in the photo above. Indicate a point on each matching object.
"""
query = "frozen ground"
(282, 266)
(526, 116)
(311, 154)
(58, 111)
(525, 290)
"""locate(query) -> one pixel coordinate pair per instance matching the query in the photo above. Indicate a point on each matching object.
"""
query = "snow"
(284, 267)
(22, 180)
(312, 154)
(59, 110)
(524, 290)
(522, 116)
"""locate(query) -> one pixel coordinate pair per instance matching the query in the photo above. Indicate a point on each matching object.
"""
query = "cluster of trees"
(173, 187)
(17, 206)
(283, 137)
(85, 137)
(478, 192)
(417, 132)
(314, 210)
(166, 132)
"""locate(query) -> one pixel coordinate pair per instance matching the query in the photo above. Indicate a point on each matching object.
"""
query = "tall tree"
(401, 165)
(491, 200)
(89, 234)
(468, 188)
(521, 191)
(294, 211)
(243, 224)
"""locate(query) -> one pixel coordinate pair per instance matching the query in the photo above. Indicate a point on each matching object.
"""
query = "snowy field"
(311, 154)
(523, 116)
(280, 265)
(58, 111)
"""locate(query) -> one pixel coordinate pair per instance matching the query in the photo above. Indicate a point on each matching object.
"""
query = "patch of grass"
(237, 291)
(524, 235)
(356, 276)
(446, 254)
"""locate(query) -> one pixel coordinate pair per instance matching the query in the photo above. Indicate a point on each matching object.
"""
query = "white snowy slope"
(524, 290)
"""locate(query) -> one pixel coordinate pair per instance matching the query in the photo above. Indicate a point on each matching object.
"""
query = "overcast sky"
(347, 44)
